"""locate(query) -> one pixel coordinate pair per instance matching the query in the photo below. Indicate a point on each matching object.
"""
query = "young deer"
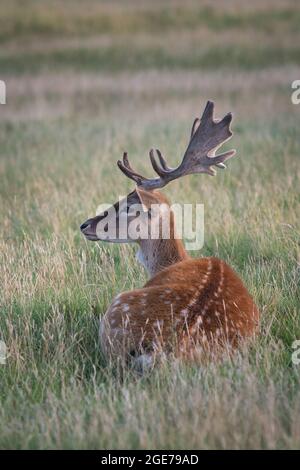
(188, 305)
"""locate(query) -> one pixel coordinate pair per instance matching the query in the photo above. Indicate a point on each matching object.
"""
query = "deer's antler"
(207, 136)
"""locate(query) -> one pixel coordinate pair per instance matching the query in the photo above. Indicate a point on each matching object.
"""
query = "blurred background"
(71, 58)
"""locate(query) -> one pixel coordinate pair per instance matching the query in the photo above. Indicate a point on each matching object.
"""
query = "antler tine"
(195, 126)
(127, 172)
(163, 161)
(126, 161)
(127, 169)
(208, 112)
(163, 169)
(160, 171)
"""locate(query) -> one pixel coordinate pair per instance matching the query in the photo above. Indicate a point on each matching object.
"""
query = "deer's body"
(188, 304)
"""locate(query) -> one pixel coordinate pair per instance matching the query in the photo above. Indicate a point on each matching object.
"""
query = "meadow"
(83, 85)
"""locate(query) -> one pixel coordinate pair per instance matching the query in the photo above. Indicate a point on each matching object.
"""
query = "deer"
(188, 305)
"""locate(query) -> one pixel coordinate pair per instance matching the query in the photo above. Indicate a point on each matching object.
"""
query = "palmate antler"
(207, 136)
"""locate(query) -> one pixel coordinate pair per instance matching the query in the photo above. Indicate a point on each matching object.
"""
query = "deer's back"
(197, 299)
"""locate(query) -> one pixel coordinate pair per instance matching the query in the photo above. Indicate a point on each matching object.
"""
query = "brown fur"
(193, 302)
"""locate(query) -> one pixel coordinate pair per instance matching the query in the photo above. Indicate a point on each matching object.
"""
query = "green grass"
(71, 111)
(55, 18)
(123, 56)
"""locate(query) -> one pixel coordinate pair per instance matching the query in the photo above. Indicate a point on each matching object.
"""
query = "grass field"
(82, 86)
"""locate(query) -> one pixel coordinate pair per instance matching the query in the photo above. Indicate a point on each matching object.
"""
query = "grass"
(66, 122)
(56, 18)
(115, 58)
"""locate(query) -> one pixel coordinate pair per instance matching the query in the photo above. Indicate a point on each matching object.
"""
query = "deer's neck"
(156, 255)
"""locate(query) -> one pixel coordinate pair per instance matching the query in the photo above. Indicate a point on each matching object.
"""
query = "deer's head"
(145, 208)
(129, 219)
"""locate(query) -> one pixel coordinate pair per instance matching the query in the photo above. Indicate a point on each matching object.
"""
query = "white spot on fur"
(184, 312)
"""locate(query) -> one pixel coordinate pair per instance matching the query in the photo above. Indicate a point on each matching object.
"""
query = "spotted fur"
(202, 302)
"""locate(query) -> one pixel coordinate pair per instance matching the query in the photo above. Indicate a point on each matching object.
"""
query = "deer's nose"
(84, 225)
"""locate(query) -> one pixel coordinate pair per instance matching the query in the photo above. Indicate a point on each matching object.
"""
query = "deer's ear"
(147, 198)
